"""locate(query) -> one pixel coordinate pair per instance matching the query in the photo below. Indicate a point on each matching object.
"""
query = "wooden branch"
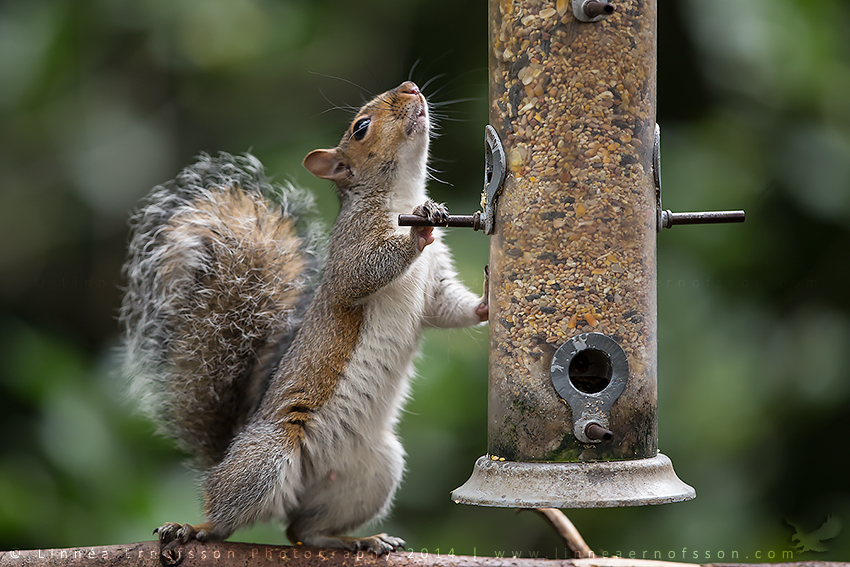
(230, 554)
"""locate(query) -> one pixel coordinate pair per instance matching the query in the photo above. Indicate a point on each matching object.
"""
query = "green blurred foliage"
(100, 100)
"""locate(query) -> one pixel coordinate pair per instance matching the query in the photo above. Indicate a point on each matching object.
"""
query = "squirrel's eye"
(358, 131)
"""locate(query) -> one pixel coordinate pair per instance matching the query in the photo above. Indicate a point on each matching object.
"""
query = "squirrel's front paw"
(483, 308)
(436, 213)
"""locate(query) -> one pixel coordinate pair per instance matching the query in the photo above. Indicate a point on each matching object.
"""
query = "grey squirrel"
(282, 370)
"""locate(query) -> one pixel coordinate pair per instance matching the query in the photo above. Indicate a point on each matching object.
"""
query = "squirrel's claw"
(380, 544)
(394, 542)
(173, 535)
(166, 532)
(181, 533)
(436, 213)
(483, 308)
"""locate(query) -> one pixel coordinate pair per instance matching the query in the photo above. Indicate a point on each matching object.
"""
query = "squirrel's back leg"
(257, 480)
(353, 489)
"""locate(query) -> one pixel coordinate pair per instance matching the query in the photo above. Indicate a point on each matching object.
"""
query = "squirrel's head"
(387, 138)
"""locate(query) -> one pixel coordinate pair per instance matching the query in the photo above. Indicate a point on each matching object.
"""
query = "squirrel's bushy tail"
(220, 269)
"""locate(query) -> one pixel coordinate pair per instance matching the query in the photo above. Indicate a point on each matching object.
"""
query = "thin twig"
(567, 531)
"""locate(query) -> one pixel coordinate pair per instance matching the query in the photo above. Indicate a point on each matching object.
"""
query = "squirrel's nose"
(409, 87)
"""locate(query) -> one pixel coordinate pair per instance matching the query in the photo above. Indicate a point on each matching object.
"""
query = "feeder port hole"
(590, 371)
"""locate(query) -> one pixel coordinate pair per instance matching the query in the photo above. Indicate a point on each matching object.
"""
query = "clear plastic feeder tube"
(574, 248)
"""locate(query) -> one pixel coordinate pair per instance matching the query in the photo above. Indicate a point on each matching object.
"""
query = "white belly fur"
(350, 444)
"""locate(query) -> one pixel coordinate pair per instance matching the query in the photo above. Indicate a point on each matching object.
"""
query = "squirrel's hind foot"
(379, 544)
(183, 533)
(173, 535)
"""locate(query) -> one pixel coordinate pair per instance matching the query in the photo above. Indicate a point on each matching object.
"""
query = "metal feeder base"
(598, 484)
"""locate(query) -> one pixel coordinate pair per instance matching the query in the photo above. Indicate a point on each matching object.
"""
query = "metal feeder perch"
(572, 202)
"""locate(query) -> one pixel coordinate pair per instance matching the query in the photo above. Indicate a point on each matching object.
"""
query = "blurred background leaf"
(100, 100)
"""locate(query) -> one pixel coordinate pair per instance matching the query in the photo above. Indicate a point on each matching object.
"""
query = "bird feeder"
(573, 206)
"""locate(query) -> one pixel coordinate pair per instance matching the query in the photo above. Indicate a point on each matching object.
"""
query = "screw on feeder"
(592, 10)
(596, 432)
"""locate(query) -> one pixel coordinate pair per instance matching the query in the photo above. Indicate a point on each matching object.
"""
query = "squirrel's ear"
(326, 164)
